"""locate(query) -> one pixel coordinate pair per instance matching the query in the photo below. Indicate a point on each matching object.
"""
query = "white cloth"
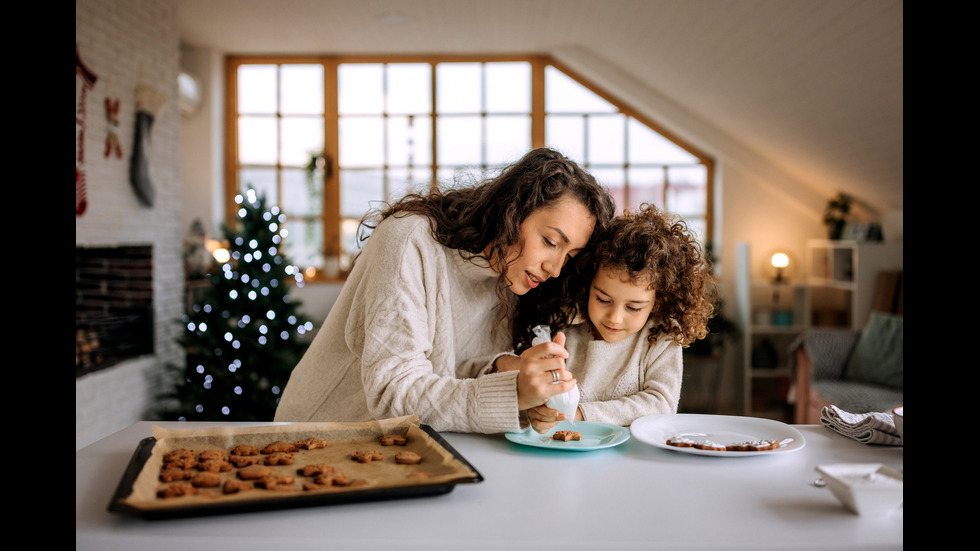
(868, 428)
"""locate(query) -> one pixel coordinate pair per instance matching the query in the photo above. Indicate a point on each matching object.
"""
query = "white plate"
(595, 436)
(723, 429)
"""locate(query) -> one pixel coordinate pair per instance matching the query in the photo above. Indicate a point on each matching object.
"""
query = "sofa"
(857, 371)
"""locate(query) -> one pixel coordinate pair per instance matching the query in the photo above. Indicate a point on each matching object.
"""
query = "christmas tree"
(244, 336)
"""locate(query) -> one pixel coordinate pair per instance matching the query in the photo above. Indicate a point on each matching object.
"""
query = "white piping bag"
(566, 402)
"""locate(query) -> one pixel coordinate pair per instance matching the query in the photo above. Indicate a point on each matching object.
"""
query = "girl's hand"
(543, 373)
(544, 418)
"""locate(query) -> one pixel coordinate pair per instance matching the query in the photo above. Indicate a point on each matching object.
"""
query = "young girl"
(429, 302)
(649, 297)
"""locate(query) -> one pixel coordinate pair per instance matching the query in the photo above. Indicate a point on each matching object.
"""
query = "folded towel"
(869, 428)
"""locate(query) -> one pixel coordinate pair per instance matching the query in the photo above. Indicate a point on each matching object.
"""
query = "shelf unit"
(838, 289)
(772, 315)
(844, 279)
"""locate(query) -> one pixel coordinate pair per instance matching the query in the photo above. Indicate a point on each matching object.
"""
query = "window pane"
(401, 182)
(410, 140)
(459, 88)
(262, 180)
(257, 140)
(647, 146)
(508, 138)
(348, 235)
(360, 88)
(257, 89)
(563, 94)
(686, 191)
(301, 137)
(606, 139)
(459, 140)
(302, 192)
(302, 89)
(508, 87)
(646, 186)
(613, 179)
(409, 88)
(566, 133)
(303, 242)
(358, 188)
(361, 141)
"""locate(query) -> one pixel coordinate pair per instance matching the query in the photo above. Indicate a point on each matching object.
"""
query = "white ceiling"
(814, 86)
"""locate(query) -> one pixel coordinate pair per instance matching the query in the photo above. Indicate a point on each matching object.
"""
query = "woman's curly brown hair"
(650, 246)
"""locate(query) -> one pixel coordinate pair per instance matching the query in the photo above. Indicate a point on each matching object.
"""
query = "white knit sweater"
(412, 328)
(623, 381)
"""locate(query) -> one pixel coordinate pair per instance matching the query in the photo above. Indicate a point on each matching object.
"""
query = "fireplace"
(113, 305)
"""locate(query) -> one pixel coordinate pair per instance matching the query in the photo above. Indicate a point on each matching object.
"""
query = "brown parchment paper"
(343, 439)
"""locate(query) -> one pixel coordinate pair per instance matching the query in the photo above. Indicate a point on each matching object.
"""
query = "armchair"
(858, 371)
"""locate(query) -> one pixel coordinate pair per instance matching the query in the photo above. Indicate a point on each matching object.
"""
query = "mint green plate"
(595, 436)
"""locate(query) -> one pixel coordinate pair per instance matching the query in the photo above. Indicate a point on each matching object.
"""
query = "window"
(324, 138)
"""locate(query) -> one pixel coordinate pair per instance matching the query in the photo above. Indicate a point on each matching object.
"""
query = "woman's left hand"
(544, 418)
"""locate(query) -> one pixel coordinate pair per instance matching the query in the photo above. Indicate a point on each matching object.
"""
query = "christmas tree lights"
(244, 336)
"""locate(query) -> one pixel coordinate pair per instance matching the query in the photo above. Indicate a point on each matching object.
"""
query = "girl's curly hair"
(651, 247)
(484, 221)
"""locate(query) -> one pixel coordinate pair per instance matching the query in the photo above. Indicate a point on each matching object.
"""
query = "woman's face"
(552, 235)
(618, 307)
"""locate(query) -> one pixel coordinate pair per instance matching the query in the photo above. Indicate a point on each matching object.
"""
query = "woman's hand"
(544, 418)
(543, 373)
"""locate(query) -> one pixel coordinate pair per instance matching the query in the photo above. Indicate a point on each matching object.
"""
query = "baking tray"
(293, 500)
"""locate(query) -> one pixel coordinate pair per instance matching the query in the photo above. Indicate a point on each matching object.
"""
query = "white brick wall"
(129, 44)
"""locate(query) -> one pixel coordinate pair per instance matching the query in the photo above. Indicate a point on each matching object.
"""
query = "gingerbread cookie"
(177, 455)
(710, 446)
(180, 463)
(170, 474)
(212, 454)
(279, 458)
(177, 490)
(280, 446)
(366, 456)
(393, 440)
(680, 442)
(233, 486)
(311, 443)
(314, 469)
(215, 466)
(408, 458)
(206, 479)
(273, 481)
(244, 460)
(331, 479)
(254, 472)
(244, 449)
(566, 435)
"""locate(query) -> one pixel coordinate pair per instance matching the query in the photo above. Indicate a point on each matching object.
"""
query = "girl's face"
(617, 307)
(552, 235)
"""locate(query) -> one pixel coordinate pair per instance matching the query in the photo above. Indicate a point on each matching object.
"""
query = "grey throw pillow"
(878, 356)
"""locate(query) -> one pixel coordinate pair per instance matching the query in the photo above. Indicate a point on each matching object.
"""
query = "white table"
(633, 496)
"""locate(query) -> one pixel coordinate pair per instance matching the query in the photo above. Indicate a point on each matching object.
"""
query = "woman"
(444, 286)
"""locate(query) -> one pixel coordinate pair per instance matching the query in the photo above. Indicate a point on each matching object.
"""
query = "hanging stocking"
(148, 101)
(139, 170)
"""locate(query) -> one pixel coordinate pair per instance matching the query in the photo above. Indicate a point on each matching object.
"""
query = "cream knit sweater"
(412, 328)
(623, 381)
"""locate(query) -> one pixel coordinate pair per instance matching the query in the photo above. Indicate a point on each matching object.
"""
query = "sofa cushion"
(878, 356)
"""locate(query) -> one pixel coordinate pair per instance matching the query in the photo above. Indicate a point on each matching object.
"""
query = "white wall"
(130, 44)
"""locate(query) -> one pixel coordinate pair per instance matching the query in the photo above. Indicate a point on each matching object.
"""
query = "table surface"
(632, 496)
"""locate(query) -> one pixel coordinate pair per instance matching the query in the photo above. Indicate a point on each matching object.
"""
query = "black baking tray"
(311, 499)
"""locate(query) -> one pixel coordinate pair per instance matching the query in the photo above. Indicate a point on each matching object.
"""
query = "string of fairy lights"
(251, 264)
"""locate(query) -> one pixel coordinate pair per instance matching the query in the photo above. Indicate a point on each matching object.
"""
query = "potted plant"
(835, 215)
